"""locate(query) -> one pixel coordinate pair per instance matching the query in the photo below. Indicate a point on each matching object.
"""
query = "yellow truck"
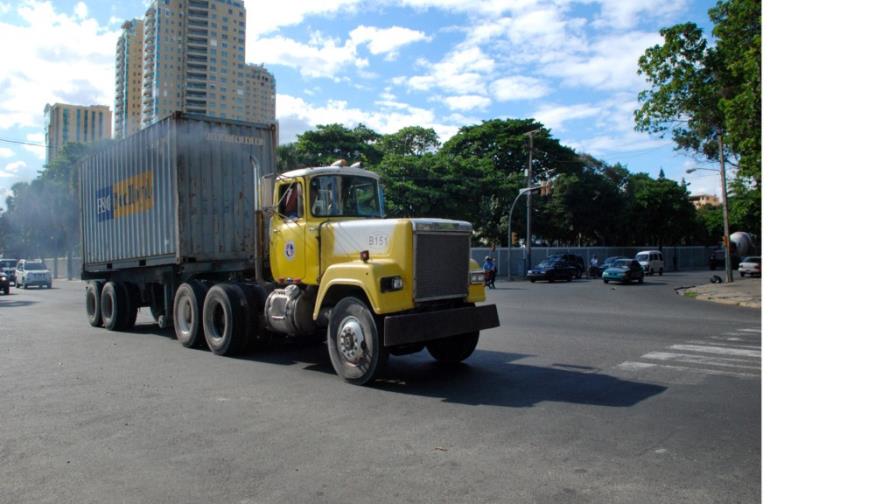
(306, 253)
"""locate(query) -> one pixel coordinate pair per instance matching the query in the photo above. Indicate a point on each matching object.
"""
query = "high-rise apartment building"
(129, 78)
(259, 94)
(194, 60)
(65, 123)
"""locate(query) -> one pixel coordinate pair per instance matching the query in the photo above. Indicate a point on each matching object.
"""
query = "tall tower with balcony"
(129, 78)
(194, 59)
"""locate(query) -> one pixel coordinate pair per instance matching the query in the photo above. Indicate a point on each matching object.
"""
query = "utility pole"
(529, 202)
(729, 277)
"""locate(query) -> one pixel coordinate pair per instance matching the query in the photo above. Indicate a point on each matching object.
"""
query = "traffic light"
(545, 188)
(514, 238)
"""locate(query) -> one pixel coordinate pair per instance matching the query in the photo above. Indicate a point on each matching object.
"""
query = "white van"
(651, 261)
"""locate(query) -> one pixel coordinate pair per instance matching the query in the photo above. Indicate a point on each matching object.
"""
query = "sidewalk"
(745, 292)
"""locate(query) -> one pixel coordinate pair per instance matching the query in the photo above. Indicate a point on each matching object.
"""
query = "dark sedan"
(552, 269)
(624, 271)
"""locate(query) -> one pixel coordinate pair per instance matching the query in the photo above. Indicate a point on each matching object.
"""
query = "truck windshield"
(345, 196)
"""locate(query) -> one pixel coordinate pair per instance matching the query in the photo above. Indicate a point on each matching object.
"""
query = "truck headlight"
(393, 283)
(477, 277)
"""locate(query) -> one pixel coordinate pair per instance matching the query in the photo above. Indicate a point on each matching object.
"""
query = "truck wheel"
(114, 306)
(92, 303)
(354, 340)
(187, 313)
(454, 349)
(224, 319)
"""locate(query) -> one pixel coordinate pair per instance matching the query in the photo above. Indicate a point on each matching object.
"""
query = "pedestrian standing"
(490, 270)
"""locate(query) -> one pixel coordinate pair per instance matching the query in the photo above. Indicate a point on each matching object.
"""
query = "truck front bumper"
(426, 326)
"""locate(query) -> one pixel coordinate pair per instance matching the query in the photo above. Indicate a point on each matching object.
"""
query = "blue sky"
(444, 64)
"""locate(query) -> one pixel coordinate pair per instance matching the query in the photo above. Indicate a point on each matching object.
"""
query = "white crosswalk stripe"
(735, 354)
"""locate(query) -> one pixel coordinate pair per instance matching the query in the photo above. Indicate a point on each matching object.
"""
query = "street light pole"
(529, 202)
(525, 190)
(729, 276)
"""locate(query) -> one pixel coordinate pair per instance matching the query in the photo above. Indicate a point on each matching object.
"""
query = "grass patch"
(690, 294)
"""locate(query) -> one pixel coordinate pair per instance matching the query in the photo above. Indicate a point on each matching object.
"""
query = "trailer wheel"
(224, 319)
(114, 306)
(454, 349)
(187, 314)
(355, 342)
(92, 303)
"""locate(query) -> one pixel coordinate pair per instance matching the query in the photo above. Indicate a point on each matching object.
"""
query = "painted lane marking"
(751, 330)
(725, 344)
(701, 359)
(640, 366)
(717, 350)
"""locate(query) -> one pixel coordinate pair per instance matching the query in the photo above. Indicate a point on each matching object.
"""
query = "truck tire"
(224, 319)
(355, 342)
(92, 303)
(255, 298)
(454, 349)
(187, 314)
(114, 306)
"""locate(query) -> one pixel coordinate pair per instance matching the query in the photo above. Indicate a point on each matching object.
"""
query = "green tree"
(708, 98)
(660, 212)
(409, 141)
(327, 143)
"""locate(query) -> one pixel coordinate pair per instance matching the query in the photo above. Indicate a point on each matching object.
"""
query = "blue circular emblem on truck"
(290, 249)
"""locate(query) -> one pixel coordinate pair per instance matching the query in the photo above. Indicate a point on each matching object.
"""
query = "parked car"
(576, 261)
(624, 271)
(608, 263)
(33, 272)
(751, 265)
(4, 283)
(717, 259)
(551, 269)
(8, 266)
(651, 261)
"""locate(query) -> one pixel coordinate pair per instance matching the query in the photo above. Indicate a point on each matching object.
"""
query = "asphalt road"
(586, 393)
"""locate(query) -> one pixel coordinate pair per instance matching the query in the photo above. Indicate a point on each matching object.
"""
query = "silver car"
(33, 272)
(750, 266)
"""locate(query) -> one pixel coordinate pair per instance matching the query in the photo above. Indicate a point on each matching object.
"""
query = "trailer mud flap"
(426, 326)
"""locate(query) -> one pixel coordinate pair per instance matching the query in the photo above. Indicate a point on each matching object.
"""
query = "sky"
(444, 64)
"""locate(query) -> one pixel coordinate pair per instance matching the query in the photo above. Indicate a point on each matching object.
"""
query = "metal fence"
(60, 267)
(676, 258)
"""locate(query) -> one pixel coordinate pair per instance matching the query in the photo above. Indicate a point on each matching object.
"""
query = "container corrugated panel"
(180, 191)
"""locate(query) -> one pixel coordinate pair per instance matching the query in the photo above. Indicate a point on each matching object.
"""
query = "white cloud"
(554, 116)
(467, 102)
(39, 151)
(6, 153)
(14, 167)
(518, 87)
(4, 8)
(386, 40)
(462, 71)
(81, 11)
(268, 16)
(47, 67)
(321, 57)
(612, 64)
(625, 14)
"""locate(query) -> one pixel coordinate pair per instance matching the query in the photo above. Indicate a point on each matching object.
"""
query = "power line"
(21, 142)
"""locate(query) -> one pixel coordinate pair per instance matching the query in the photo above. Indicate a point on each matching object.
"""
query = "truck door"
(288, 232)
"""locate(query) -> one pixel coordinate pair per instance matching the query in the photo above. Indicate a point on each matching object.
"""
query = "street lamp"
(729, 277)
(529, 201)
(525, 190)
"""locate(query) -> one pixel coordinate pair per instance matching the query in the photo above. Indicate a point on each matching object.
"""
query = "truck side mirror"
(266, 192)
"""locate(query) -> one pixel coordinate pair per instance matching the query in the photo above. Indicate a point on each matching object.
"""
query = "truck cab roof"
(328, 170)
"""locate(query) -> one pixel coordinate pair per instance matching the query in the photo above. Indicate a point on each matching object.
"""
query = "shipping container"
(180, 192)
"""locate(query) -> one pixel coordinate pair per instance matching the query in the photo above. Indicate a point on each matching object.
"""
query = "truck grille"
(441, 265)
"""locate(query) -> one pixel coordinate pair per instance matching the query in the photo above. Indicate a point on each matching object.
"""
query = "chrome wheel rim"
(185, 316)
(351, 341)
